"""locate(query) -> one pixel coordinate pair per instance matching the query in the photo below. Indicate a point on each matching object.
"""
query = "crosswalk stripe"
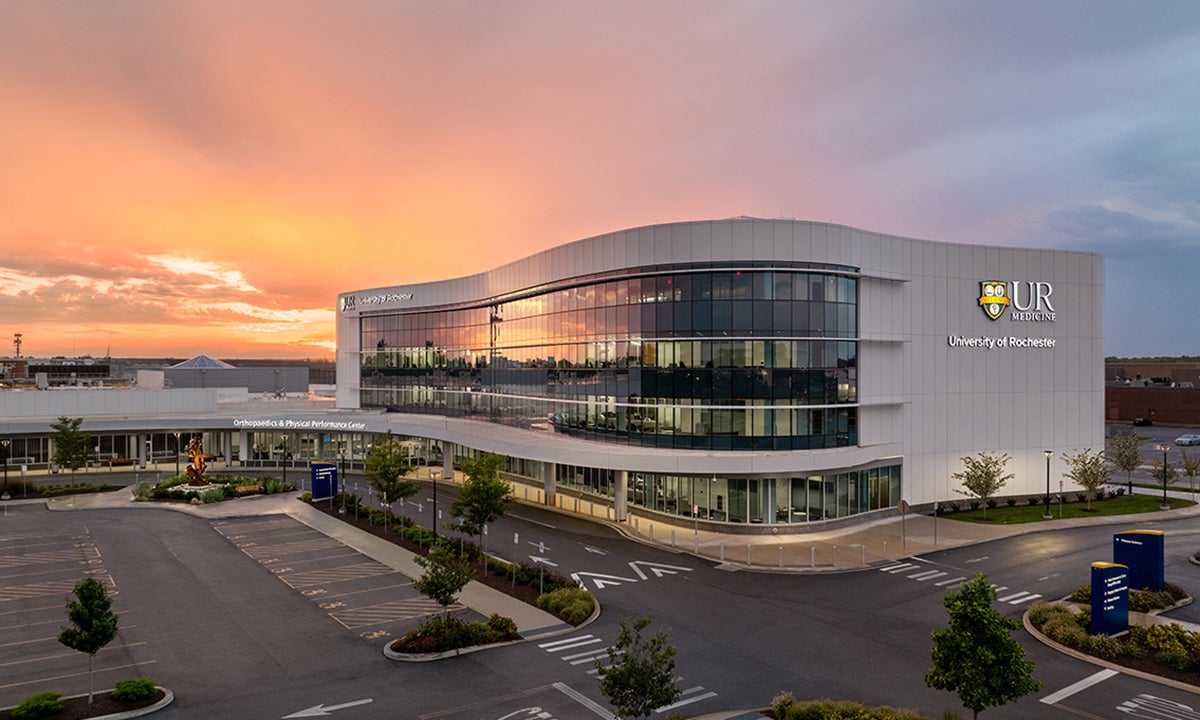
(927, 575)
(950, 581)
(1021, 597)
(570, 644)
(900, 568)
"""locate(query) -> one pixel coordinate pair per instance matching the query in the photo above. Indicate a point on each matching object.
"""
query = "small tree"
(976, 656)
(1190, 467)
(1087, 470)
(70, 444)
(1125, 453)
(386, 464)
(640, 675)
(94, 623)
(446, 574)
(484, 495)
(983, 475)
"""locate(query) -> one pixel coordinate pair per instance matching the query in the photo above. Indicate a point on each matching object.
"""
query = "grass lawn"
(1124, 505)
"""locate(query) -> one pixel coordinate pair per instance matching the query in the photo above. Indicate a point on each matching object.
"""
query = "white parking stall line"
(950, 581)
(1083, 684)
(685, 700)
(927, 575)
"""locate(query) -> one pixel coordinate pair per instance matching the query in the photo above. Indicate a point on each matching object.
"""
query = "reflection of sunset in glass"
(188, 177)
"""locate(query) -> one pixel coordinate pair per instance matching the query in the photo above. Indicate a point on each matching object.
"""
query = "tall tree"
(976, 656)
(1164, 473)
(446, 574)
(1088, 470)
(1190, 467)
(640, 675)
(70, 444)
(983, 475)
(484, 495)
(93, 623)
(386, 465)
(1125, 453)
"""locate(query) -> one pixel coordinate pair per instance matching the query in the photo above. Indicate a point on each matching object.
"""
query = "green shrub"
(134, 689)
(1082, 497)
(1065, 631)
(1175, 660)
(1102, 646)
(1041, 611)
(1158, 639)
(782, 704)
(213, 495)
(141, 492)
(836, 710)
(504, 627)
(39, 706)
(1011, 502)
(1082, 594)
(991, 503)
(974, 504)
(1034, 500)
(572, 604)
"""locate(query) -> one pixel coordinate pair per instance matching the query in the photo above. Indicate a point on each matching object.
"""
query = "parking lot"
(38, 570)
(361, 595)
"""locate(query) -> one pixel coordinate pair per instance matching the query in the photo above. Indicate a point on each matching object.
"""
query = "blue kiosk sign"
(1142, 552)
(1110, 599)
(324, 480)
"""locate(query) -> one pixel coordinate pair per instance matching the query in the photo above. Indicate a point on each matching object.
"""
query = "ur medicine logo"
(1027, 300)
(347, 303)
(993, 297)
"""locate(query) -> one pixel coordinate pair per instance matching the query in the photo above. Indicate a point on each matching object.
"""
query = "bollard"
(812, 556)
(885, 549)
(748, 554)
(780, 556)
(672, 537)
(651, 531)
(697, 544)
(722, 551)
(864, 554)
(835, 555)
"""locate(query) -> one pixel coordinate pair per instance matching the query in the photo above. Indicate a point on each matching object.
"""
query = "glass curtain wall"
(727, 360)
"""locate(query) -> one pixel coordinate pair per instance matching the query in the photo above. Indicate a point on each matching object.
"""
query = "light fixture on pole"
(176, 434)
(5, 443)
(1165, 505)
(285, 450)
(1046, 501)
(435, 475)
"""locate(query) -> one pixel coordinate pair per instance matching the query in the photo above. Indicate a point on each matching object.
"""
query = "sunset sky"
(183, 177)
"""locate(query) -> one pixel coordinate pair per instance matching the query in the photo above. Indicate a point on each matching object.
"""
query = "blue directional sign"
(1142, 552)
(1110, 599)
(324, 480)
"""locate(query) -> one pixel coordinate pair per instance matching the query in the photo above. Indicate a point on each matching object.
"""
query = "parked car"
(1188, 440)
(1142, 421)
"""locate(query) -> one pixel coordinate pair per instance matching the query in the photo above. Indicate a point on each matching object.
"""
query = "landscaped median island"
(1016, 510)
(218, 488)
(449, 564)
(130, 698)
(1164, 649)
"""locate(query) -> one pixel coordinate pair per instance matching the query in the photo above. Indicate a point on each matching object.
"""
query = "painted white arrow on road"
(323, 709)
(597, 551)
(542, 560)
(601, 580)
(657, 568)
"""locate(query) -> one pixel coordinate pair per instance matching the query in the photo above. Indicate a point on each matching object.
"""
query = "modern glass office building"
(742, 371)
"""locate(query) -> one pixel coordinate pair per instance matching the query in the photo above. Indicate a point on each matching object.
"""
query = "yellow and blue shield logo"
(993, 298)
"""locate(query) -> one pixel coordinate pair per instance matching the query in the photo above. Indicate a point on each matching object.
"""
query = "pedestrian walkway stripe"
(927, 575)
(685, 700)
(1018, 598)
(1083, 684)
(950, 581)
(569, 643)
(898, 568)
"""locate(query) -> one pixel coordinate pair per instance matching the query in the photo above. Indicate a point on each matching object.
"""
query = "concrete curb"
(427, 657)
(1169, 682)
(164, 701)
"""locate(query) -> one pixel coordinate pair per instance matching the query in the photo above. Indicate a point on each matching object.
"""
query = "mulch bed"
(102, 704)
(524, 593)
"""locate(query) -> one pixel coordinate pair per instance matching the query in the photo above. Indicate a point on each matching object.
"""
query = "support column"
(621, 495)
(549, 484)
(243, 447)
(447, 460)
(140, 441)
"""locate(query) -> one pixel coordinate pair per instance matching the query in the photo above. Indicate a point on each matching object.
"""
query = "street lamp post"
(5, 443)
(435, 475)
(285, 447)
(1165, 505)
(176, 434)
(1046, 502)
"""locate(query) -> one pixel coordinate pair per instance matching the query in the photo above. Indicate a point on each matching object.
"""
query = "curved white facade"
(943, 369)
